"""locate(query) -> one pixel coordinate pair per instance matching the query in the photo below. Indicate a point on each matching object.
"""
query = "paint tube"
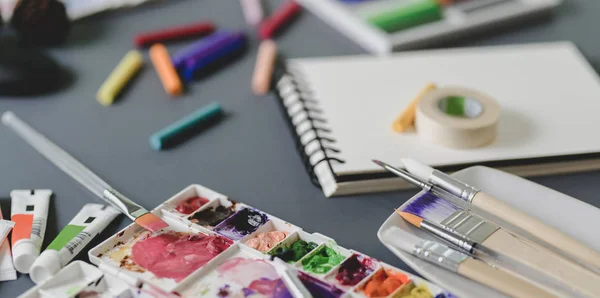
(77, 9)
(7, 270)
(5, 227)
(87, 224)
(29, 211)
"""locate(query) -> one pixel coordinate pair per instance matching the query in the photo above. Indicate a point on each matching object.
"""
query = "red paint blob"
(190, 205)
(355, 269)
(177, 255)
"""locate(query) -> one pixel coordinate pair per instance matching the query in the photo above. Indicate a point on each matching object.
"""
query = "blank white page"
(549, 97)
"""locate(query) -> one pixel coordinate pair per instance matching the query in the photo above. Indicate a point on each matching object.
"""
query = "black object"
(29, 72)
(41, 22)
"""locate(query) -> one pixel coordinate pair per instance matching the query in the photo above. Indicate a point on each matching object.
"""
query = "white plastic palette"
(458, 19)
(215, 277)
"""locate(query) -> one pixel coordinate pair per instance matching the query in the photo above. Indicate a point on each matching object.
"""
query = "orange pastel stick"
(165, 69)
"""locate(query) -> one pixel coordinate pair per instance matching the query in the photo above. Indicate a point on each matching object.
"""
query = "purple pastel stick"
(199, 46)
(208, 57)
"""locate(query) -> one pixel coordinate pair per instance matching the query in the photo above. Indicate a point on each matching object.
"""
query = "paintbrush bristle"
(151, 222)
(411, 218)
(430, 207)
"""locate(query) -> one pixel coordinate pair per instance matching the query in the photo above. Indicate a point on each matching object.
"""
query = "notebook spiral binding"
(304, 119)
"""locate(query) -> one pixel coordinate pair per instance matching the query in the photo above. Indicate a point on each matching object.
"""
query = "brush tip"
(151, 222)
(411, 218)
(379, 163)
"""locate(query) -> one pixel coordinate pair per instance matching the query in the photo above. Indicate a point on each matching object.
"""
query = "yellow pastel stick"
(407, 117)
(129, 65)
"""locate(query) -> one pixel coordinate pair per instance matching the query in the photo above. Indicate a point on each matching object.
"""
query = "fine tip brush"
(83, 175)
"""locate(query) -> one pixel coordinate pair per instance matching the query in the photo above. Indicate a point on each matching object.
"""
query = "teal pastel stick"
(200, 117)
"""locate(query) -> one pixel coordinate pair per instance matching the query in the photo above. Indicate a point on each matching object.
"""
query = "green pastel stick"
(408, 15)
(200, 117)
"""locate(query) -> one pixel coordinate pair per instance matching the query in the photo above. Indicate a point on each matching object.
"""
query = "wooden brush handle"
(500, 280)
(546, 262)
(541, 230)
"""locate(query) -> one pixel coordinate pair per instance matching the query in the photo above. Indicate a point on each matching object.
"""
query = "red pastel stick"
(278, 19)
(173, 33)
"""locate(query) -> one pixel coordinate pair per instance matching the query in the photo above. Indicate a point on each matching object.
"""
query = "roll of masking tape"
(457, 117)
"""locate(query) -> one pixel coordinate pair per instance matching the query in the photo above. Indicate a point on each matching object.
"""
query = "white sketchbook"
(548, 93)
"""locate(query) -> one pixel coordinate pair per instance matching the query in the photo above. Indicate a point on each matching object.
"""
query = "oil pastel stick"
(204, 46)
(265, 63)
(212, 55)
(176, 131)
(408, 15)
(127, 68)
(253, 11)
(280, 18)
(165, 69)
(7, 269)
(29, 211)
(173, 33)
(87, 224)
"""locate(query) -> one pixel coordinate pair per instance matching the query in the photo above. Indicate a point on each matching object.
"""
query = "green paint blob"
(322, 261)
(68, 233)
(293, 253)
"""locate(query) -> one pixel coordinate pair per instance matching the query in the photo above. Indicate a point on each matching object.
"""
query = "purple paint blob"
(242, 223)
(224, 291)
(428, 205)
(319, 288)
(355, 269)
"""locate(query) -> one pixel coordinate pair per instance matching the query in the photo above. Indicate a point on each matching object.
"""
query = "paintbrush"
(81, 174)
(490, 256)
(518, 218)
(469, 225)
(462, 264)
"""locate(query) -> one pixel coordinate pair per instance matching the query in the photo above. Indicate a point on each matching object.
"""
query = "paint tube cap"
(24, 253)
(45, 266)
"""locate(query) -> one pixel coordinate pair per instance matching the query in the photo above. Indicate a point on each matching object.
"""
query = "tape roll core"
(457, 117)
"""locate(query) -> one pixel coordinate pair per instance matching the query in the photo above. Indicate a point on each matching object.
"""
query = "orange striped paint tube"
(29, 211)
(7, 269)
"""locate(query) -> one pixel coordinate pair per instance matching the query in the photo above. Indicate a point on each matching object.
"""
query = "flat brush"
(474, 228)
(83, 175)
(490, 256)
(514, 216)
(462, 264)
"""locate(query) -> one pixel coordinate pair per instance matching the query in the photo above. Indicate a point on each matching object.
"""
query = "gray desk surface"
(249, 156)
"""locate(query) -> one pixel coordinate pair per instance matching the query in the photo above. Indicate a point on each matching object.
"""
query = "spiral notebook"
(340, 111)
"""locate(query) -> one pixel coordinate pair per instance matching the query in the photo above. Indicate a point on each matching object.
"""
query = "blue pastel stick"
(201, 61)
(200, 46)
(200, 117)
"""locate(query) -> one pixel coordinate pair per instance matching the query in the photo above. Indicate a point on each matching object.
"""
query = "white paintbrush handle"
(541, 230)
(546, 261)
(500, 280)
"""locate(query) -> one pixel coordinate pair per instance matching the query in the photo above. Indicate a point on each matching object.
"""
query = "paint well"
(319, 288)
(176, 255)
(322, 261)
(384, 283)
(355, 269)
(240, 277)
(191, 204)
(265, 241)
(243, 223)
(294, 252)
(212, 216)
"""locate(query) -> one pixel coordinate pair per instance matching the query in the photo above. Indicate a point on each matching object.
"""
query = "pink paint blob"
(245, 271)
(176, 255)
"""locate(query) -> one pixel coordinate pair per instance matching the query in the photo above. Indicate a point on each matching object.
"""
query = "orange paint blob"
(384, 283)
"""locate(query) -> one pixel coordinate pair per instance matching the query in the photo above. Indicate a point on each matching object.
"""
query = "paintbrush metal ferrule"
(469, 226)
(439, 254)
(450, 236)
(453, 186)
(118, 200)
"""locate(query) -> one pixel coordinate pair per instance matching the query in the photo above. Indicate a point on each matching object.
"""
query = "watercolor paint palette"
(217, 247)
(383, 26)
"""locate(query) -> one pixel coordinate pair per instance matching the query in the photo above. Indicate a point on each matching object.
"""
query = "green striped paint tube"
(409, 14)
